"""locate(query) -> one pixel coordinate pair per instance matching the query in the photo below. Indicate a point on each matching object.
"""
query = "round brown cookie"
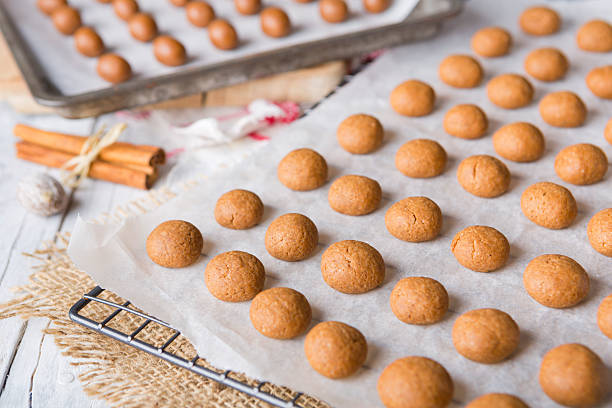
(88, 42)
(291, 237)
(491, 42)
(415, 382)
(599, 231)
(360, 134)
(175, 244)
(604, 316)
(485, 335)
(142, 27)
(169, 51)
(608, 131)
(540, 20)
(484, 176)
(354, 195)
(239, 209)
(66, 19)
(234, 276)
(199, 13)
(413, 98)
(49, 6)
(510, 91)
(421, 158)
(497, 400)
(275, 22)
(414, 219)
(556, 281)
(519, 142)
(573, 375)
(549, 205)
(581, 164)
(563, 109)
(247, 7)
(352, 267)
(546, 64)
(222, 34)
(480, 248)
(335, 349)
(280, 313)
(376, 6)
(599, 81)
(460, 71)
(419, 300)
(125, 9)
(595, 36)
(302, 170)
(466, 122)
(333, 11)
(113, 68)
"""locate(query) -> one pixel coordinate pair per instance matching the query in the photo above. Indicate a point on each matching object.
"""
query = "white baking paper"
(72, 73)
(115, 255)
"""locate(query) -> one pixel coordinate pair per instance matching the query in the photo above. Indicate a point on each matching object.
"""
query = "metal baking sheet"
(69, 98)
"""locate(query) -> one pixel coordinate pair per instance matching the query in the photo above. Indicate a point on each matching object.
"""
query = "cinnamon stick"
(99, 169)
(118, 152)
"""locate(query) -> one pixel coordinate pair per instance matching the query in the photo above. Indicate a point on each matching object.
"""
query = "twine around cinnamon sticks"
(121, 163)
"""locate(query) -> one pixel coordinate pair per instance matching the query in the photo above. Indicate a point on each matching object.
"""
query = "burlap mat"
(120, 374)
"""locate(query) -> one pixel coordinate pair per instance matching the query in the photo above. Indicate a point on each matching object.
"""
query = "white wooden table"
(33, 373)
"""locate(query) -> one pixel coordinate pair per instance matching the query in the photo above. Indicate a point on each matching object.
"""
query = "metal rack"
(161, 351)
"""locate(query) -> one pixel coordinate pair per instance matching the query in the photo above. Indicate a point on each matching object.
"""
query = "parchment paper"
(72, 73)
(115, 255)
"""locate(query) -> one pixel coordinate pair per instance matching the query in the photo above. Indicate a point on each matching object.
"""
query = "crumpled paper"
(115, 255)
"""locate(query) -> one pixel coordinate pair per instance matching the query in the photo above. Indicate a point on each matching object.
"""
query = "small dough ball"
(247, 7)
(179, 3)
(376, 6)
(510, 91)
(595, 36)
(125, 9)
(491, 42)
(280, 313)
(335, 349)
(540, 20)
(460, 71)
(608, 131)
(563, 109)
(354, 195)
(415, 382)
(419, 300)
(599, 231)
(291, 237)
(421, 158)
(49, 6)
(520, 142)
(88, 42)
(352, 267)
(549, 205)
(66, 19)
(581, 164)
(199, 13)
(333, 11)
(413, 98)
(360, 134)
(169, 51)
(484, 176)
(556, 281)
(302, 170)
(604, 316)
(497, 400)
(234, 276)
(222, 34)
(239, 209)
(546, 64)
(466, 122)
(481, 248)
(414, 219)
(485, 335)
(599, 81)
(142, 27)
(113, 68)
(573, 375)
(175, 244)
(275, 22)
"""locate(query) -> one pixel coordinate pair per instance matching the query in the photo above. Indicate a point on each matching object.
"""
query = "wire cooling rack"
(162, 352)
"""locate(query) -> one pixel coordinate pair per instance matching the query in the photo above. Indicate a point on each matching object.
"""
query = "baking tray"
(424, 22)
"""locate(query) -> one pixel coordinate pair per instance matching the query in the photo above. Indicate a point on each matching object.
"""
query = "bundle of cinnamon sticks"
(121, 163)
